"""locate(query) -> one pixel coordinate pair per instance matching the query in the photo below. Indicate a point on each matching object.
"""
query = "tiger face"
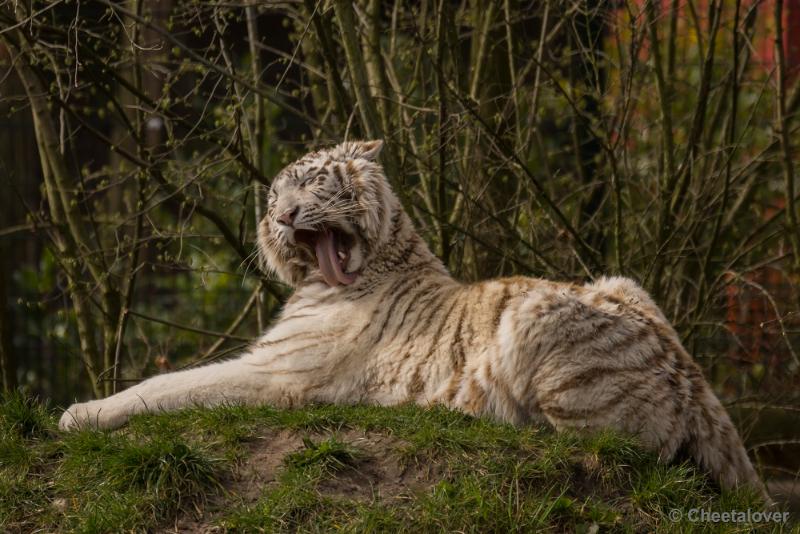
(327, 212)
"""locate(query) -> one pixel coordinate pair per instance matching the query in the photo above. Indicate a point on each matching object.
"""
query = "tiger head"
(328, 211)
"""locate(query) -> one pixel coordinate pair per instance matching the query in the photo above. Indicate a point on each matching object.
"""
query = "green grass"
(330, 455)
(350, 469)
(24, 416)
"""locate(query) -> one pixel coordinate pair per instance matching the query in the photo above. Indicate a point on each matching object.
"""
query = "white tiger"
(376, 318)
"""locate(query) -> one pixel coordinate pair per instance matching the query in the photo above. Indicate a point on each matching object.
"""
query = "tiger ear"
(368, 150)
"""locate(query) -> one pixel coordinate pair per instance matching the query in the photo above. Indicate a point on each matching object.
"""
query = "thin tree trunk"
(782, 129)
(256, 146)
(70, 238)
(360, 80)
(8, 364)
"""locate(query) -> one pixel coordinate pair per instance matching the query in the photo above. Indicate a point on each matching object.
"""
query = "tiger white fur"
(376, 318)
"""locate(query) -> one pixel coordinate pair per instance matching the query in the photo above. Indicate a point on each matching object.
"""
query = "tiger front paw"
(98, 414)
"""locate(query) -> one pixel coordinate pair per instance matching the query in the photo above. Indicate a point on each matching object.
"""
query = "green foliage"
(159, 474)
(23, 415)
(94, 481)
(24, 502)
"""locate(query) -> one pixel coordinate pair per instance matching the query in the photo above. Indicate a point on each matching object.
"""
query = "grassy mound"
(330, 468)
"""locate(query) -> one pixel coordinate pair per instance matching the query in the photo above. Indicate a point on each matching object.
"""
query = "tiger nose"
(288, 216)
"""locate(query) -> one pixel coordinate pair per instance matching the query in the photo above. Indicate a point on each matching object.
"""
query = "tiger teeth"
(341, 255)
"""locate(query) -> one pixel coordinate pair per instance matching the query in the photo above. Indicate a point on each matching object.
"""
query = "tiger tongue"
(328, 260)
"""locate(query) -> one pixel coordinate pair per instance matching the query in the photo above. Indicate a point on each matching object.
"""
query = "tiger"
(376, 318)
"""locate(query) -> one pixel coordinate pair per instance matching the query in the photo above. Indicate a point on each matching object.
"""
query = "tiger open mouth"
(331, 247)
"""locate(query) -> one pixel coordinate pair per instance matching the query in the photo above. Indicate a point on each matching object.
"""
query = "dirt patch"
(263, 463)
(378, 473)
(245, 483)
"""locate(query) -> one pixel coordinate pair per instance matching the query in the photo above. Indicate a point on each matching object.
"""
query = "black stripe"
(397, 285)
(291, 371)
(501, 307)
(276, 357)
(297, 316)
(337, 172)
(432, 310)
(458, 341)
(390, 309)
(437, 330)
(299, 335)
(412, 305)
